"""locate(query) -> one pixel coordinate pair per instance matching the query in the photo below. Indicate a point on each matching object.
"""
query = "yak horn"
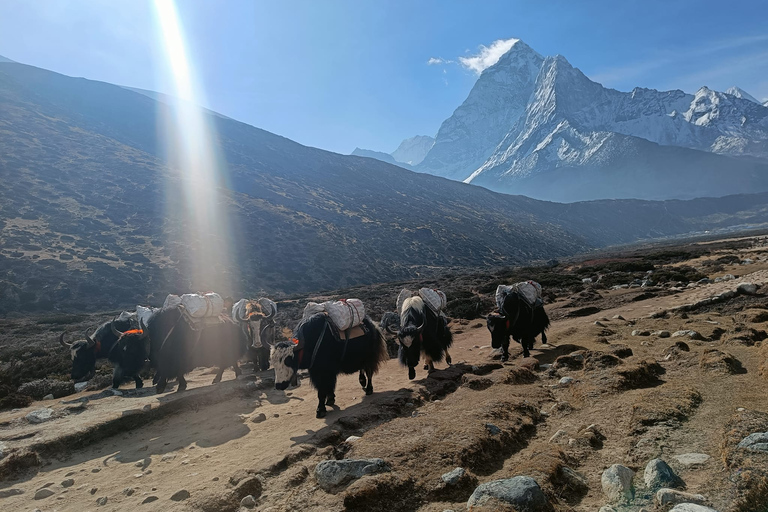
(389, 329)
(91, 341)
(144, 331)
(64, 343)
(114, 329)
(423, 323)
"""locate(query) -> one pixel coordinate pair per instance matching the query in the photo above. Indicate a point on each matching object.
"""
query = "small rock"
(607, 508)
(566, 381)
(492, 429)
(575, 480)
(666, 497)
(599, 323)
(48, 396)
(79, 386)
(618, 317)
(7, 493)
(93, 490)
(522, 492)
(180, 495)
(259, 418)
(276, 415)
(68, 483)
(658, 474)
(757, 442)
(617, 483)
(248, 502)
(641, 333)
(747, 289)
(352, 439)
(128, 491)
(40, 415)
(95, 470)
(661, 334)
(452, 477)
(41, 494)
(149, 499)
(692, 459)
(102, 501)
(165, 458)
(689, 333)
(332, 473)
(691, 507)
(147, 408)
(115, 392)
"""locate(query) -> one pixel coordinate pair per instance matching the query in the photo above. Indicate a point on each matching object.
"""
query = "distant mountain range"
(409, 153)
(86, 222)
(537, 126)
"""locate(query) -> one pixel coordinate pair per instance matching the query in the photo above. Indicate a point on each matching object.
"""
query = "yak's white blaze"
(283, 371)
(73, 352)
(410, 303)
(256, 333)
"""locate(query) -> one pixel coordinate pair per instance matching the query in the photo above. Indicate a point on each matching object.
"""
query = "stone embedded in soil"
(747, 288)
(128, 491)
(757, 442)
(617, 483)
(566, 381)
(574, 480)
(452, 477)
(661, 334)
(40, 415)
(79, 386)
(180, 495)
(7, 493)
(149, 499)
(666, 497)
(694, 335)
(691, 507)
(692, 459)
(259, 418)
(41, 494)
(641, 333)
(333, 473)
(69, 482)
(658, 474)
(248, 502)
(102, 501)
(492, 429)
(522, 492)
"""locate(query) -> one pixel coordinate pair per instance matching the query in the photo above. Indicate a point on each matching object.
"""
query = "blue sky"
(338, 74)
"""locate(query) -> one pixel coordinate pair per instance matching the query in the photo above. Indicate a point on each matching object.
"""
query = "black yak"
(521, 321)
(176, 348)
(129, 355)
(320, 349)
(421, 330)
(85, 352)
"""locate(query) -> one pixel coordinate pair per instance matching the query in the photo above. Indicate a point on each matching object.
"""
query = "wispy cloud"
(487, 56)
(438, 60)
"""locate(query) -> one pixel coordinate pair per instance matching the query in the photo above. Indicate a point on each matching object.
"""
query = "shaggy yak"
(326, 353)
(129, 355)
(85, 352)
(176, 348)
(258, 322)
(421, 330)
(519, 320)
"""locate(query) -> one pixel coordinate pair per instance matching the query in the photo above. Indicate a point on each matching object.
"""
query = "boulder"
(747, 288)
(41, 494)
(617, 483)
(665, 497)
(757, 442)
(40, 415)
(452, 477)
(688, 333)
(691, 507)
(658, 474)
(334, 473)
(521, 492)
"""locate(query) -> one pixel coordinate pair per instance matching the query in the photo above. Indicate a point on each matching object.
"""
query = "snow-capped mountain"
(530, 122)
(741, 93)
(412, 151)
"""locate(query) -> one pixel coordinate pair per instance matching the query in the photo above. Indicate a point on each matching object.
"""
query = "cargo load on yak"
(435, 299)
(530, 291)
(196, 305)
(345, 314)
(143, 314)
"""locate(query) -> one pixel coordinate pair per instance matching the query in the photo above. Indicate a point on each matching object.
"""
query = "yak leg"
(218, 376)
(139, 381)
(362, 379)
(369, 387)
(505, 351)
(430, 366)
(411, 373)
(527, 345)
(321, 398)
(236, 368)
(161, 383)
(182, 383)
(117, 376)
(330, 397)
(543, 338)
(447, 357)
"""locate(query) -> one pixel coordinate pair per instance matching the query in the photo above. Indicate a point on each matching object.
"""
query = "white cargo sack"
(238, 310)
(197, 306)
(144, 314)
(435, 299)
(344, 314)
(530, 291)
(171, 302)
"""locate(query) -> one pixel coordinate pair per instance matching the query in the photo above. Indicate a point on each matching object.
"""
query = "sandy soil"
(122, 451)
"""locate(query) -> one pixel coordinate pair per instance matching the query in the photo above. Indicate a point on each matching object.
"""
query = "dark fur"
(520, 322)
(220, 345)
(129, 356)
(364, 354)
(84, 363)
(435, 340)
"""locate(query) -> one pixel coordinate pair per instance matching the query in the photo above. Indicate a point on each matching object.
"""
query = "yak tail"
(379, 342)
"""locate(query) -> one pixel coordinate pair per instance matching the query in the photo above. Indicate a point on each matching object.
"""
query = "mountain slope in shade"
(378, 155)
(412, 151)
(522, 122)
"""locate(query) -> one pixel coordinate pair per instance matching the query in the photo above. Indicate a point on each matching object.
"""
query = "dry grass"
(666, 404)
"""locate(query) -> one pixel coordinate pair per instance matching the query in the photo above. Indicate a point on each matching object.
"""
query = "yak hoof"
(411, 373)
(160, 388)
(321, 413)
(369, 391)
(330, 402)
(504, 358)
(448, 359)
(139, 384)
(526, 353)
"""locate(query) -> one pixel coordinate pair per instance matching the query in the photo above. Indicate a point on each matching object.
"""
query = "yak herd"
(174, 344)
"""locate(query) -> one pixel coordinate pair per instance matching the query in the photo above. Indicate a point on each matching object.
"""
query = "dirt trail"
(159, 445)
